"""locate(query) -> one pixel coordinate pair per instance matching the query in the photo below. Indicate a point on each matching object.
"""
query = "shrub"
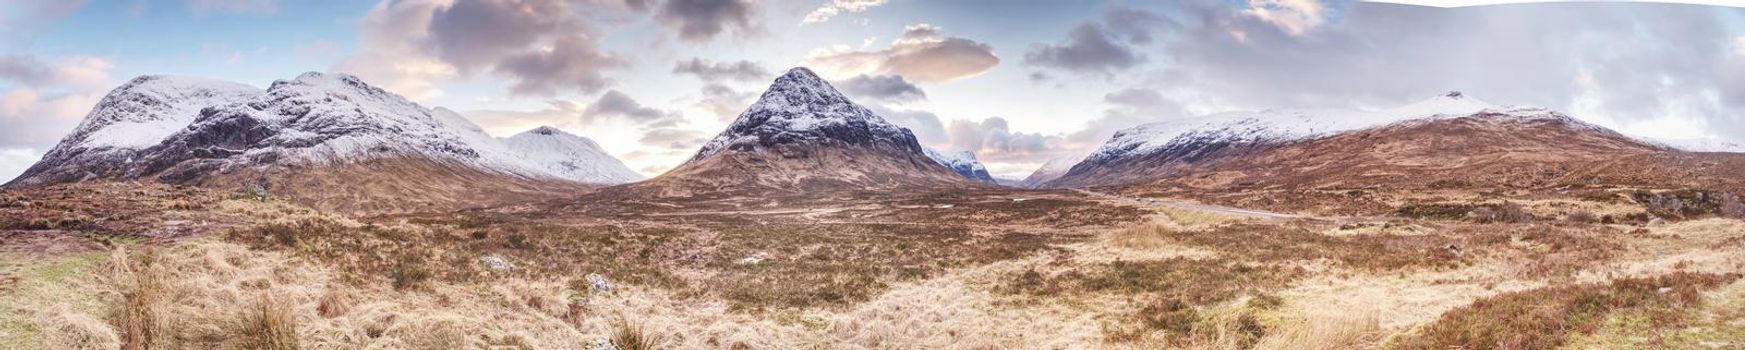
(630, 336)
(1169, 315)
(139, 321)
(409, 275)
(1581, 216)
(1545, 318)
(269, 325)
(1507, 212)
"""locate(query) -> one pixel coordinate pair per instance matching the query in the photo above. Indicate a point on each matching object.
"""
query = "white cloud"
(13, 161)
(923, 54)
(47, 98)
(835, 7)
(1293, 16)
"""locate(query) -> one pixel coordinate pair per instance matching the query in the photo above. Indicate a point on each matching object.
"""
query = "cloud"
(22, 19)
(674, 138)
(922, 54)
(246, 7)
(543, 46)
(1292, 16)
(1088, 49)
(42, 100)
(723, 101)
(835, 7)
(925, 125)
(572, 62)
(1127, 108)
(881, 88)
(13, 161)
(1136, 25)
(717, 71)
(615, 105)
(702, 20)
(1616, 63)
(993, 140)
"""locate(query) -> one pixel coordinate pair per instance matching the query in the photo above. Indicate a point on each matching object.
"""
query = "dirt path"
(1264, 215)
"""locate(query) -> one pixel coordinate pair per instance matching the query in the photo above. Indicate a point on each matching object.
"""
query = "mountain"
(1448, 141)
(569, 156)
(804, 135)
(321, 137)
(1050, 170)
(1132, 154)
(963, 163)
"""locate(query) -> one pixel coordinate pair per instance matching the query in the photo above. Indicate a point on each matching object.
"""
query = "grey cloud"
(24, 69)
(993, 140)
(723, 101)
(718, 71)
(702, 20)
(1135, 25)
(573, 62)
(1087, 49)
(473, 34)
(673, 138)
(887, 88)
(616, 104)
(545, 46)
(1628, 61)
(925, 125)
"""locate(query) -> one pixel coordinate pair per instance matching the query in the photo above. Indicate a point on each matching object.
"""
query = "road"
(1264, 215)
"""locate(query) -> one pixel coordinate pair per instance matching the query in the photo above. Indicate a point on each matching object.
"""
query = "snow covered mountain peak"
(141, 112)
(962, 162)
(569, 155)
(1278, 125)
(180, 129)
(801, 107)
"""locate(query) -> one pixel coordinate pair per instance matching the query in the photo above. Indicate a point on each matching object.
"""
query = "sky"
(1017, 82)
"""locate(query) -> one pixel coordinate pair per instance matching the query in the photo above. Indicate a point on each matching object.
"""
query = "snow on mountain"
(798, 107)
(1274, 125)
(569, 156)
(149, 108)
(1053, 168)
(962, 162)
(1706, 144)
(188, 127)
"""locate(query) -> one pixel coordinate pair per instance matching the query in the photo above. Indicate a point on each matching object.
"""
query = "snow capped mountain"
(569, 156)
(1270, 126)
(149, 108)
(801, 107)
(1707, 144)
(1145, 151)
(1050, 170)
(180, 129)
(963, 163)
(803, 134)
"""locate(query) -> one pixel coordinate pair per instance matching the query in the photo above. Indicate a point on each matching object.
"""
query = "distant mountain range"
(337, 142)
(213, 133)
(1448, 140)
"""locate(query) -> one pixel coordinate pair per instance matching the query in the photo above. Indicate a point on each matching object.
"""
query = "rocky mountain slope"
(201, 132)
(963, 163)
(1448, 141)
(1052, 169)
(802, 135)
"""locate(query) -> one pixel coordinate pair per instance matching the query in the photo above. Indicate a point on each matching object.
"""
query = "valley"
(301, 219)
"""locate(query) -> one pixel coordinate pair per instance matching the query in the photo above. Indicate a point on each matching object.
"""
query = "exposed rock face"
(963, 163)
(801, 135)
